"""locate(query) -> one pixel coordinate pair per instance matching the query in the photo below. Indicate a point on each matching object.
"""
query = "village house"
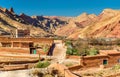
(106, 58)
(26, 45)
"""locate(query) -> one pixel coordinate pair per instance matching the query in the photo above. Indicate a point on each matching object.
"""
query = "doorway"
(33, 51)
(105, 62)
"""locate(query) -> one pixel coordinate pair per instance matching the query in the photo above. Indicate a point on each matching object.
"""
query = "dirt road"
(59, 52)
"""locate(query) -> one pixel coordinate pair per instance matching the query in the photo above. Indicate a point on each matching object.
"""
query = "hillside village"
(53, 46)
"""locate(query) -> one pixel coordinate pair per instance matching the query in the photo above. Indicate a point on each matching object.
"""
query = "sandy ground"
(19, 73)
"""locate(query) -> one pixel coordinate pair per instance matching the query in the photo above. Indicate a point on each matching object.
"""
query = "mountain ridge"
(106, 24)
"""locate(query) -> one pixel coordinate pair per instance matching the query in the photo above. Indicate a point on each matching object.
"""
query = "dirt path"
(59, 52)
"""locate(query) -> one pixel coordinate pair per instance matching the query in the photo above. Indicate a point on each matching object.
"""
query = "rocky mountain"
(38, 25)
(9, 21)
(48, 24)
(76, 24)
(107, 25)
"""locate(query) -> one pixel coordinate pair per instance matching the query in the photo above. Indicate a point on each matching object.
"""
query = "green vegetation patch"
(42, 64)
(116, 67)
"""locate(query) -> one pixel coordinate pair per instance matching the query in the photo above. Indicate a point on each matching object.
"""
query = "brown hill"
(107, 25)
(76, 24)
(38, 25)
(47, 23)
(9, 21)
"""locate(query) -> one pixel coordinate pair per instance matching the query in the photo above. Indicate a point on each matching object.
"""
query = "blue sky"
(59, 7)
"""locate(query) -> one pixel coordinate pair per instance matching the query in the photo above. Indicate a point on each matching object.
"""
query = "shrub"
(116, 67)
(84, 52)
(67, 43)
(71, 51)
(88, 51)
(43, 64)
(45, 48)
(93, 51)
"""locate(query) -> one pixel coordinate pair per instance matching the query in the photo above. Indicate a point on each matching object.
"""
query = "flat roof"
(16, 41)
(109, 52)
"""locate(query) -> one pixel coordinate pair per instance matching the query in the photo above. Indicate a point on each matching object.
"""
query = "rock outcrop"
(11, 10)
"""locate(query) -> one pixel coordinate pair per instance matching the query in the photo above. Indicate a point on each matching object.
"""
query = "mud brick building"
(22, 33)
(107, 58)
(24, 44)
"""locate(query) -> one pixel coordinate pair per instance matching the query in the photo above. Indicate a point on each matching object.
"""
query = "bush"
(45, 48)
(43, 64)
(116, 67)
(71, 51)
(88, 51)
(93, 51)
(84, 52)
(67, 43)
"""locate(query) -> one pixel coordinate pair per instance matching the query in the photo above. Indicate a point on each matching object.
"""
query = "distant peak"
(22, 14)
(110, 11)
(3, 9)
(11, 10)
(83, 14)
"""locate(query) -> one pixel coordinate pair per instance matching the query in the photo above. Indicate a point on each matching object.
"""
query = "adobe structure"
(105, 58)
(26, 45)
(22, 33)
